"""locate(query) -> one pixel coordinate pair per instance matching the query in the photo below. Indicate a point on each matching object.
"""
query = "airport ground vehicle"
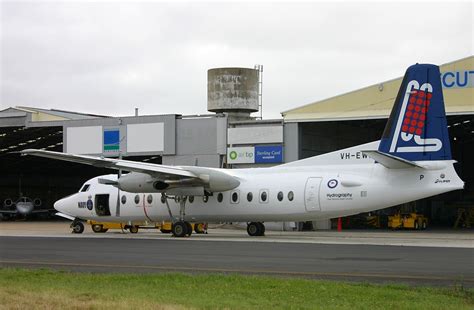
(164, 227)
(199, 228)
(102, 227)
(407, 220)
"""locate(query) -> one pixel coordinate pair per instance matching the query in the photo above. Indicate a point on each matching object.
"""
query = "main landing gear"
(256, 229)
(179, 228)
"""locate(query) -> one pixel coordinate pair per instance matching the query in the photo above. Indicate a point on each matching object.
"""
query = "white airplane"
(412, 161)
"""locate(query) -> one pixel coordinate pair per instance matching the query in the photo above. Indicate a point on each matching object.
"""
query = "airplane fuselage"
(273, 194)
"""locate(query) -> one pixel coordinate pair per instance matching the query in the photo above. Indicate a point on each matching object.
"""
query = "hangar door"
(311, 195)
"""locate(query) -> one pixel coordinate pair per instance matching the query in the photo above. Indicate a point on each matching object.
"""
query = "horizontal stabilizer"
(390, 161)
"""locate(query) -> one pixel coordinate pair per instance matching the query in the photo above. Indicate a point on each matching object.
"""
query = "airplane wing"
(158, 171)
(8, 211)
(36, 211)
(212, 179)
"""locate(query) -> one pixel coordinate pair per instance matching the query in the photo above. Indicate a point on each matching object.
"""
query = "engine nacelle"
(135, 182)
(215, 180)
(207, 180)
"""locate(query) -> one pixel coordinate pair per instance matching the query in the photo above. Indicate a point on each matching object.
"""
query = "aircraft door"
(102, 205)
(311, 195)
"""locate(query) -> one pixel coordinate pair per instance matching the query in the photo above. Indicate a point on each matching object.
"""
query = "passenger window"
(280, 196)
(124, 199)
(137, 199)
(290, 196)
(249, 197)
(191, 199)
(264, 196)
(220, 197)
(235, 197)
(85, 188)
(149, 199)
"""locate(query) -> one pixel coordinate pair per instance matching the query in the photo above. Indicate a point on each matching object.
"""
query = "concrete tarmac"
(232, 251)
(429, 238)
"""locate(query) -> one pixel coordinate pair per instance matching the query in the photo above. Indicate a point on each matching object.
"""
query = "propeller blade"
(119, 175)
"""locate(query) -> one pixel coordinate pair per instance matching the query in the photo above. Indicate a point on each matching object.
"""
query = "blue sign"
(268, 154)
(111, 140)
(457, 79)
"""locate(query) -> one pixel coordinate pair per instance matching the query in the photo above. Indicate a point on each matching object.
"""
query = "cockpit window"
(85, 188)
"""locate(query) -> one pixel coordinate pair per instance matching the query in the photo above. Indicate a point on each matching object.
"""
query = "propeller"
(119, 174)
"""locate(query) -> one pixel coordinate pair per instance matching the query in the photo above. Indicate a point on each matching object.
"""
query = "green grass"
(47, 289)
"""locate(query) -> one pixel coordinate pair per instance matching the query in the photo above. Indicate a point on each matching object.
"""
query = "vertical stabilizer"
(417, 127)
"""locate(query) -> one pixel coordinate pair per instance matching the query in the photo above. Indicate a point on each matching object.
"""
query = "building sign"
(149, 137)
(458, 79)
(241, 155)
(111, 140)
(255, 154)
(84, 140)
(255, 135)
(268, 154)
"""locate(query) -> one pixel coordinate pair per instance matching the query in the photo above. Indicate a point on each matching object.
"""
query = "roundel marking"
(89, 204)
(332, 183)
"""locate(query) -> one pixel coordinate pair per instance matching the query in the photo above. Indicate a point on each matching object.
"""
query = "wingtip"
(22, 152)
(26, 151)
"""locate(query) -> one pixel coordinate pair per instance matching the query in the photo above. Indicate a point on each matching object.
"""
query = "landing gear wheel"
(189, 228)
(133, 229)
(199, 228)
(97, 228)
(255, 229)
(77, 228)
(423, 225)
(179, 229)
(417, 226)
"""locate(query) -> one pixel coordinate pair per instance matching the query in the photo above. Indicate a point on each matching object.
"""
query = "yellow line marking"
(200, 269)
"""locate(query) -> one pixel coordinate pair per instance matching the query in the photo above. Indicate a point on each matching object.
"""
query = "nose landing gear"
(77, 227)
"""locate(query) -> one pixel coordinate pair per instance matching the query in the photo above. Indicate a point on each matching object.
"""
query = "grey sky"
(109, 57)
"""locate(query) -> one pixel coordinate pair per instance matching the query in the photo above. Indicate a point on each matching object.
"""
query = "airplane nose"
(60, 205)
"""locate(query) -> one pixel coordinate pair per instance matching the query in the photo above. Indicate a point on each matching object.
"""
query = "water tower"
(234, 91)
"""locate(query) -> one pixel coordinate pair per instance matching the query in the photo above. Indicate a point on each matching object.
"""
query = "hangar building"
(168, 139)
(359, 116)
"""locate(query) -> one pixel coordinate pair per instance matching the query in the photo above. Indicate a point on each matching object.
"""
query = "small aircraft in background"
(23, 206)
(411, 161)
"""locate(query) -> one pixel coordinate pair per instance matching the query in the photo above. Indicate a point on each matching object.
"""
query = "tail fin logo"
(411, 121)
